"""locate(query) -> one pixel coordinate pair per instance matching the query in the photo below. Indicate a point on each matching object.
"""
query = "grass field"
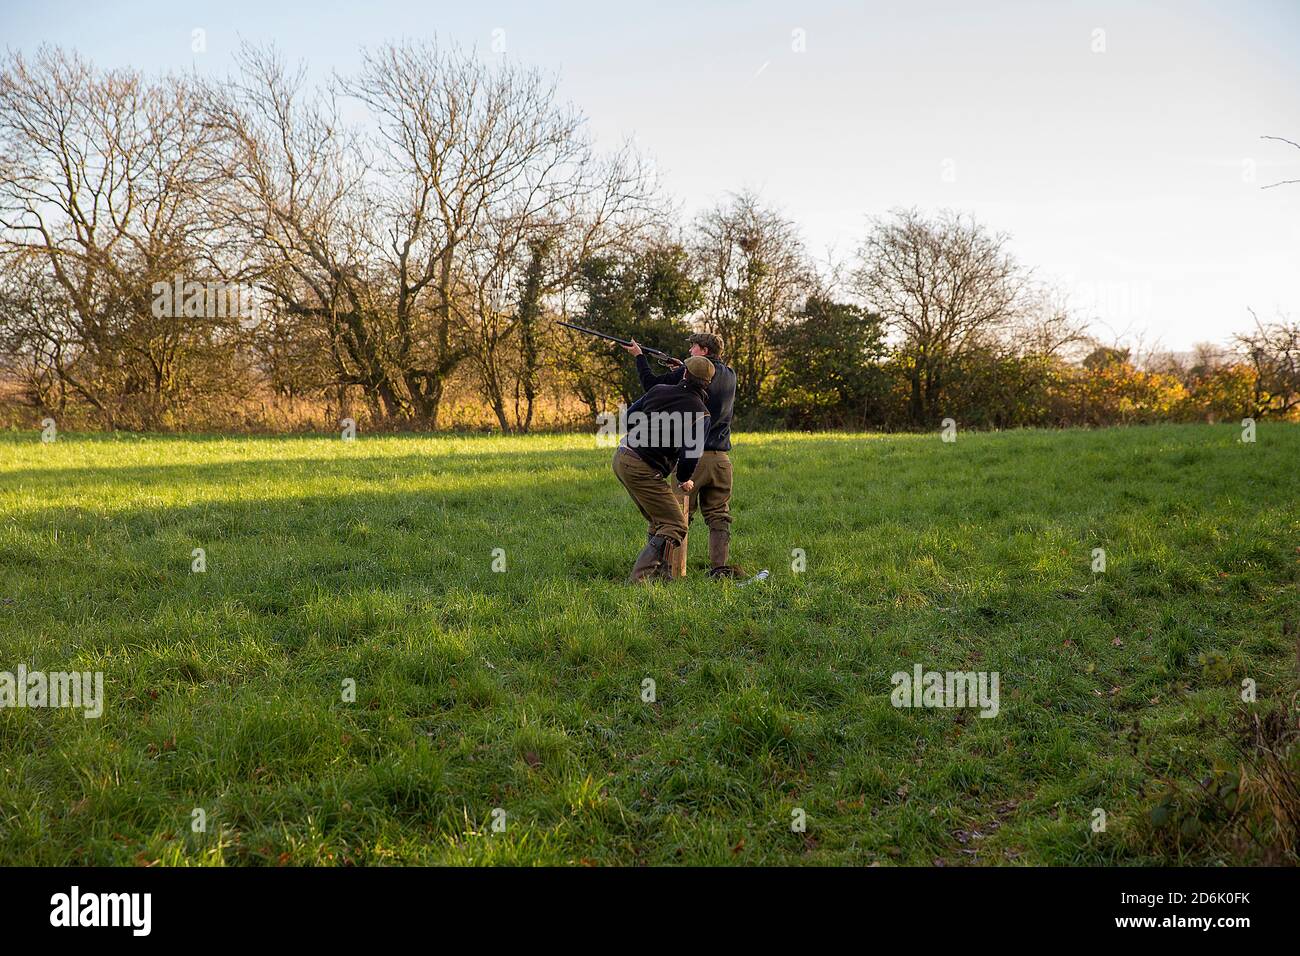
(371, 561)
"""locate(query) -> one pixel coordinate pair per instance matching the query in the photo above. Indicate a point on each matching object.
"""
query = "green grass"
(372, 561)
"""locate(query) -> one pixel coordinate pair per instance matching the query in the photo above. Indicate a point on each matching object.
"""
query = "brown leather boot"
(650, 564)
(719, 544)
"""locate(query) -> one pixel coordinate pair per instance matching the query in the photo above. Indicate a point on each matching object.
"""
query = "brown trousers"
(652, 495)
(712, 494)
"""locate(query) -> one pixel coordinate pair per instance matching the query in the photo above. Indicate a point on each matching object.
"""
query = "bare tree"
(478, 167)
(524, 263)
(944, 285)
(1284, 182)
(1045, 326)
(755, 273)
(37, 330)
(104, 182)
(294, 192)
(1274, 354)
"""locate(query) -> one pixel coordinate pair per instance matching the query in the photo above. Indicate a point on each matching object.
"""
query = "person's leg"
(651, 555)
(622, 462)
(715, 505)
(655, 500)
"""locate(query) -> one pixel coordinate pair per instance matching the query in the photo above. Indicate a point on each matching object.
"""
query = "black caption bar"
(141, 906)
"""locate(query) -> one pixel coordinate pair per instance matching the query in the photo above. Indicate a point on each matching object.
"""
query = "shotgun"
(663, 358)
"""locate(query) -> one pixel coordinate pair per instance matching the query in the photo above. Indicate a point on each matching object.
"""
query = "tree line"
(394, 246)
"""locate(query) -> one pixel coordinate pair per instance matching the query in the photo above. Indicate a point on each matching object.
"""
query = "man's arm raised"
(648, 378)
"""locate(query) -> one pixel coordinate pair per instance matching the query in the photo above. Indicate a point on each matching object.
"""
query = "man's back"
(673, 441)
(721, 399)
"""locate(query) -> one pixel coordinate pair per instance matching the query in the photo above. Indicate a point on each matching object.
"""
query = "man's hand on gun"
(635, 349)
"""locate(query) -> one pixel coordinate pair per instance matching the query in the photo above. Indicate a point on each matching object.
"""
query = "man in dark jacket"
(666, 432)
(712, 486)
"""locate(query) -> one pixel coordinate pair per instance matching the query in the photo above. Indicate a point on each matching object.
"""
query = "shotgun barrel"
(663, 357)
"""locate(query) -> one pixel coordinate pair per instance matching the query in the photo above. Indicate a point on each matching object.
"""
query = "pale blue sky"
(1124, 175)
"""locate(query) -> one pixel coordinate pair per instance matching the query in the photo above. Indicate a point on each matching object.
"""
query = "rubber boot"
(650, 562)
(719, 545)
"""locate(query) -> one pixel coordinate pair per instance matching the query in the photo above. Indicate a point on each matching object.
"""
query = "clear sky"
(1125, 163)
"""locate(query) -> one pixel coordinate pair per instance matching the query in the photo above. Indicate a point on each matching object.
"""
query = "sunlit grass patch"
(505, 717)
